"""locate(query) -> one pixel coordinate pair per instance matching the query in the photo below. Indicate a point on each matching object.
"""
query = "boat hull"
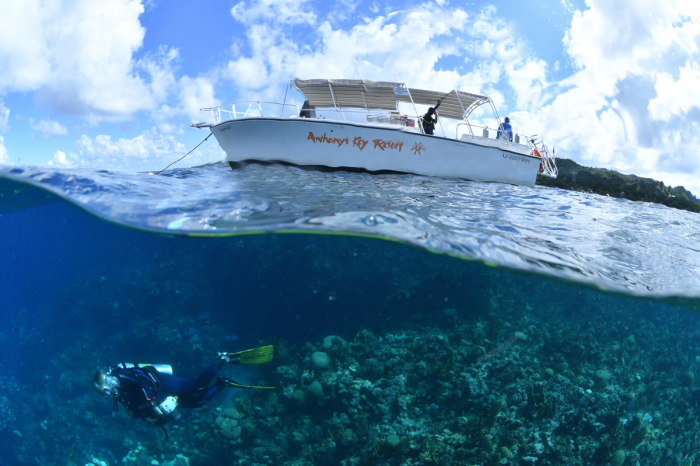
(374, 148)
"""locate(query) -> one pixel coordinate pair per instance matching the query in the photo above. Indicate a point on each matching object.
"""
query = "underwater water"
(416, 321)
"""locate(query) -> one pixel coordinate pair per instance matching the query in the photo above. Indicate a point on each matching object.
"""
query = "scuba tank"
(162, 368)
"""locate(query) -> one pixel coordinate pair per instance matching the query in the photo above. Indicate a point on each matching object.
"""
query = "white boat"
(375, 126)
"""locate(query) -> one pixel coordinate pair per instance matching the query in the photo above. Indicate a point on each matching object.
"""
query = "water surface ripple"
(619, 245)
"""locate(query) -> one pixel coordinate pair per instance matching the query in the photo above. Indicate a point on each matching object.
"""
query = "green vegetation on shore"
(573, 176)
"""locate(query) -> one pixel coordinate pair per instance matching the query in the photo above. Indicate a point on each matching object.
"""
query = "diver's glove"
(222, 359)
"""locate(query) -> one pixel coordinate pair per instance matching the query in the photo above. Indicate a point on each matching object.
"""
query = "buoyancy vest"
(139, 392)
(429, 123)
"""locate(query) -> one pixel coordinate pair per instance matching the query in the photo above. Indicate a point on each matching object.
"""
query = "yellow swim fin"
(252, 356)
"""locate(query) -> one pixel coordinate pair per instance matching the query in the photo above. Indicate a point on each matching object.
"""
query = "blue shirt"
(506, 129)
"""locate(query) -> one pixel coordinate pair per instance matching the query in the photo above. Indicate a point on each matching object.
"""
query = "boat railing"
(486, 132)
(548, 165)
(248, 108)
(536, 145)
(252, 108)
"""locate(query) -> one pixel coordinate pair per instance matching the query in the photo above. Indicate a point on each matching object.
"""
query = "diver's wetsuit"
(429, 121)
(191, 393)
(143, 389)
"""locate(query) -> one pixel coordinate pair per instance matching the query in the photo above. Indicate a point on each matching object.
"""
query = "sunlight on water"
(611, 243)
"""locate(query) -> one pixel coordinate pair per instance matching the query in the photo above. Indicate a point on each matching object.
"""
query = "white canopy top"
(383, 95)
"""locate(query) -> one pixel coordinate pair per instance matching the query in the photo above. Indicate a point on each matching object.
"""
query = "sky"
(115, 84)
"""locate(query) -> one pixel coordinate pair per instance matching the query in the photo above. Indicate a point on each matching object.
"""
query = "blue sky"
(115, 84)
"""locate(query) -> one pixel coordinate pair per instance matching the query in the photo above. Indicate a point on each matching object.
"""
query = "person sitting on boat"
(430, 118)
(506, 130)
(153, 395)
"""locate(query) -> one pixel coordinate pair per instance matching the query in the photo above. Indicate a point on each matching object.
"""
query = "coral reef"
(423, 395)
(448, 366)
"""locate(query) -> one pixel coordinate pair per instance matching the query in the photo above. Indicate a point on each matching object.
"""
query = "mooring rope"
(158, 173)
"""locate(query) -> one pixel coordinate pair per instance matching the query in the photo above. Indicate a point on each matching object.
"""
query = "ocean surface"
(415, 320)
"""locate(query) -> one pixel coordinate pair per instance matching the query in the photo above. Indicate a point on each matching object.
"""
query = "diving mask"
(105, 383)
(111, 385)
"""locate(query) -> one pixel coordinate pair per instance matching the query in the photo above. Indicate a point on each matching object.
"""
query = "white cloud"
(160, 66)
(676, 97)
(367, 50)
(502, 53)
(4, 117)
(628, 106)
(342, 10)
(405, 46)
(76, 54)
(148, 151)
(275, 11)
(49, 127)
(78, 58)
(135, 152)
(193, 94)
(567, 5)
(4, 158)
(61, 160)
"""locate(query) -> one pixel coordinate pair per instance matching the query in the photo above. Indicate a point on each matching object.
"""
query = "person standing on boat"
(506, 129)
(430, 118)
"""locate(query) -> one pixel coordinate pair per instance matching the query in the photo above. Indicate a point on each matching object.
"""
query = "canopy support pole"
(464, 114)
(296, 104)
(286, 88)
(420, 126)
(337, 108)
(498, 119)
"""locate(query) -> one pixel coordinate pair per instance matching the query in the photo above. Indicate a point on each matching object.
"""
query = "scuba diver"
(430, 118)
(152, 393)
